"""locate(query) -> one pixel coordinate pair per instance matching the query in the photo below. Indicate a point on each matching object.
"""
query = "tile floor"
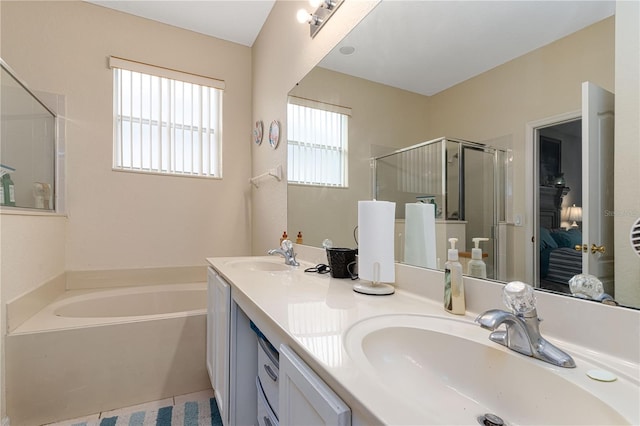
(94, 419)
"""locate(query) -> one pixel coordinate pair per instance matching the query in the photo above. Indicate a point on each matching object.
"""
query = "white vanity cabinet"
(268, 372)
(253, 385)
(305, 399)
(243, 398)
(210, 327)
(218, 339)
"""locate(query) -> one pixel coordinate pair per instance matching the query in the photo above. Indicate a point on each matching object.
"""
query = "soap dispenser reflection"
(477, 268)
(453, 284)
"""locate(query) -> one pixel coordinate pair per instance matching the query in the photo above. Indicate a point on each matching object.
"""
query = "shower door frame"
(461, 204)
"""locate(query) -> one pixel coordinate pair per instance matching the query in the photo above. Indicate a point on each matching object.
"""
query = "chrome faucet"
(587, 286)
(522, 333)
(286, 251)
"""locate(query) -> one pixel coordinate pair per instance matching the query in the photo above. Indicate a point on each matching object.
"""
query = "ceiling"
(239, 21)
(428, 46)
(422, 46)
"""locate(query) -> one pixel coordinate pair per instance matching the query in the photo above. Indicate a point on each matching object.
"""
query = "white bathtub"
(82, 308)
(134, 304)
(96, 350)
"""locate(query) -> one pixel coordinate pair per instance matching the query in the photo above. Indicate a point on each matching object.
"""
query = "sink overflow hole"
(489, 419)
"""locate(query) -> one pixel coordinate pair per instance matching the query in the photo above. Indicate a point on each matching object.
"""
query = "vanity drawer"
(266, 417)
(268, 373)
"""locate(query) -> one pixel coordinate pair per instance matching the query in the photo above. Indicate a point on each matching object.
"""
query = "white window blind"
(166, 121)
(317, 143)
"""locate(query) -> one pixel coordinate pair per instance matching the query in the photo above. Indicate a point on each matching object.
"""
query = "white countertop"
(315, 311)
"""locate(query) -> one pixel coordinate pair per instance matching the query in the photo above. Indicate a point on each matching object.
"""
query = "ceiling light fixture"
(325, 4)
(324, 10)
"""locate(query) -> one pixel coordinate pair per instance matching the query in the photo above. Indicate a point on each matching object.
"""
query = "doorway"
(558, 148)
(596, 159)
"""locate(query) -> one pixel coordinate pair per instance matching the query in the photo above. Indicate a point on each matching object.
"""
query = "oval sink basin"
(261, 265)
(447, 371)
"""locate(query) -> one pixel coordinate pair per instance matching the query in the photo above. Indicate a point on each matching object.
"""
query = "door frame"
(532, 170)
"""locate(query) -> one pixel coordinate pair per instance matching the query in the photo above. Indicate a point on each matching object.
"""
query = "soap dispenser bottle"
(477, 268)
(8, 191)
(453, 285)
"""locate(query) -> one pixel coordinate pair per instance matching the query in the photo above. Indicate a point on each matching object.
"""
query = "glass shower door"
(479, 202)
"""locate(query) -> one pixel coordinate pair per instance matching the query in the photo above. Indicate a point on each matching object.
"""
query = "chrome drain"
(490, 419)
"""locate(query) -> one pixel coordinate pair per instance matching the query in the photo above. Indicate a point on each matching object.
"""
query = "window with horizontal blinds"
(317, 143)
(166, 121)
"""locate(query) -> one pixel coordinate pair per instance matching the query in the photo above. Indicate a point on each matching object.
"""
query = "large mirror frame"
(503, 107)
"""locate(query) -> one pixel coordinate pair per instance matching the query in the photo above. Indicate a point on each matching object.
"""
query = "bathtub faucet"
(286, 251)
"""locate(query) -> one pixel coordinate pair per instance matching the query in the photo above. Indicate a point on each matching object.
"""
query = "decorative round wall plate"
(257, 132)
(274, 134)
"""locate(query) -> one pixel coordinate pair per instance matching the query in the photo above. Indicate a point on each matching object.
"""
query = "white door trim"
(531, 194)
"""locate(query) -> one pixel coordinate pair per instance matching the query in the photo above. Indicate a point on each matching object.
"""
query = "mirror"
(485, 83)
(464, 184)
(27, 147)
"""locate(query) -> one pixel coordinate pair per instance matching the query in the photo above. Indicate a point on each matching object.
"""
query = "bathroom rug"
(202, 412)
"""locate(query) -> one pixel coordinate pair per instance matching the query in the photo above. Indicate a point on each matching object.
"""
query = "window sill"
(151, 173)
(18, 211)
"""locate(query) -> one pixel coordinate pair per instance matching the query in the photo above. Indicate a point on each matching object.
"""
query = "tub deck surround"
(94, 307)
(23, 307)
(313, 312)
(68, 366)
(31, 302)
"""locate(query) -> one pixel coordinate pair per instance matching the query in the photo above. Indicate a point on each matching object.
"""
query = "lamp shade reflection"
(574, 215)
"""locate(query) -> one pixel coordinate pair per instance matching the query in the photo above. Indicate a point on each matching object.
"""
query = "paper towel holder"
(376, 265)
(375, 287)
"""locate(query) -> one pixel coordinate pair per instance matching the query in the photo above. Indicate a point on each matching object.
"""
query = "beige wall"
(627, 154)
(125, 220)
(499, 103)
(382, 116)
(493, 107)
(32, 251)
(122, 220)
(119, 220)
(282, 54)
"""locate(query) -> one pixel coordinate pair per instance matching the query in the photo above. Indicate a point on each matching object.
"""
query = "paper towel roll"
(376, 241)
(420, 235)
